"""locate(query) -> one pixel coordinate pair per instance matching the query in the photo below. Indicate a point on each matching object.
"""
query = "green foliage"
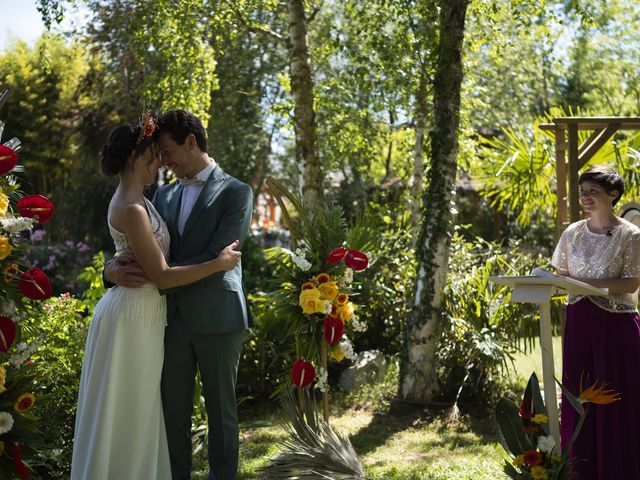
(483, 329)
(520, 430)
(61, 331)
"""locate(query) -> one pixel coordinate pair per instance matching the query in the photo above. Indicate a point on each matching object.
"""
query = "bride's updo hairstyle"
(122, 142)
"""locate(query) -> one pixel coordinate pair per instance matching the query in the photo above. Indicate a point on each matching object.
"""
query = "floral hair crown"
(148, 124)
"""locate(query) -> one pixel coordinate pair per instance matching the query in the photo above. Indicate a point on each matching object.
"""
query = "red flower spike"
(36, 206)
(302, 373)
(336, 255)
(21, 468)
(35, 284)
(8, 159)
(7, 333)
(356, 261)
(525, 409)
(333, 330)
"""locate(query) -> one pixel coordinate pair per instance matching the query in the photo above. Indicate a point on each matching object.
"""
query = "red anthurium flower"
(336, 255)
(356, 261)
(19, 465)
(7, 333)
(333, 330)
(35, 285)
(36, 206)
(8, 159)
(302, 373)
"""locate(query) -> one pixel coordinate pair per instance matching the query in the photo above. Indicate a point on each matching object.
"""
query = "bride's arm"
(134, 222)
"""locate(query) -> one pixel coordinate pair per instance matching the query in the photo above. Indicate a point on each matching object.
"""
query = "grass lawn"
(394, 441)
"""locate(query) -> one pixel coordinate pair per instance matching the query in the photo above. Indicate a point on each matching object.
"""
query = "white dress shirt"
(190, 194)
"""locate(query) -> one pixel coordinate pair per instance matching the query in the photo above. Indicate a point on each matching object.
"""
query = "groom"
(205, 211)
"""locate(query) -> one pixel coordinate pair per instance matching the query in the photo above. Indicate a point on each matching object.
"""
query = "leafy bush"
(60, 330)
(62, 262)
(483, 330)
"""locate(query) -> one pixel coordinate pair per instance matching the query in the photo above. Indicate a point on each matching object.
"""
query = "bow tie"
(191, 181)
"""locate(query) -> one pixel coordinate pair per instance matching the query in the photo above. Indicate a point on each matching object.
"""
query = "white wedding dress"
(119, 430)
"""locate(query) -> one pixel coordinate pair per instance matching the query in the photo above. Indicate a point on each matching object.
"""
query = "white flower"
(23, 353)
(299, 259)
(347, 348)
(7, 308)
(18, 224)
(322, 382)
(6, 422)
(327, 307)
(347, 278)
(357, 325)
(546, 444)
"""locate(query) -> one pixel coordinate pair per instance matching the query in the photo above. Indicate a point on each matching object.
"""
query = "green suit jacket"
(220, 215)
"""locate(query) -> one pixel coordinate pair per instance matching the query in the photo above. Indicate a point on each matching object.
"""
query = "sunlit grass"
(394, 441)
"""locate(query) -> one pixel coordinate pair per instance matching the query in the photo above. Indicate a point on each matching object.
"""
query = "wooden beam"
(594, 143)
(561, 182)
(574, 205)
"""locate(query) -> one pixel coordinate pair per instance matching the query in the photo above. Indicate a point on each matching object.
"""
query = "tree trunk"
(418, 155)
(303, 113)
(419, 381)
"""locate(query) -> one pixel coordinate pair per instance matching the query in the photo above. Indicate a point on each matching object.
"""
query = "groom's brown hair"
(179, 124)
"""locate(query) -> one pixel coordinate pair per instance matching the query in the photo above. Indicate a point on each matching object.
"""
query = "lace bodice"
(158, 225)
(616, 254)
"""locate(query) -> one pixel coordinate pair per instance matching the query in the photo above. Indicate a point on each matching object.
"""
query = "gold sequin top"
(586, 254)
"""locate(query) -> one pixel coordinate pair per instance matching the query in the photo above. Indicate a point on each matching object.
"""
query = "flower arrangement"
(524, 432)
(19, 286)
(314, 296)
(315, 288)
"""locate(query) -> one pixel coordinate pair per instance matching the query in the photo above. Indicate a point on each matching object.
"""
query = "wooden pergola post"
(571, 156)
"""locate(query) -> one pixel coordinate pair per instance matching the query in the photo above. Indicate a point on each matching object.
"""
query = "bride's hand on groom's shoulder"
(125, 271)
(229, 256)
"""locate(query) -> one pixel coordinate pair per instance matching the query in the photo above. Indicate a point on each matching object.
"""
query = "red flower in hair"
(336, 255)
(7, 333)
(333, 330)
(36, 206)
(356, 261)
(8, 159)
(35, 285)
(302, 373)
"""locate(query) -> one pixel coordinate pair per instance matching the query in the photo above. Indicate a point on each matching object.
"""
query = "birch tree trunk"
(302, 91)
(419, 381)
(418, 155)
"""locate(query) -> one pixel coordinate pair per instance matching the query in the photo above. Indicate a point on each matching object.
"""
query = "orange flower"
(308, 286)
(597, 394)
(323, 278)
(530, 429)
(24, 402)
(11, 271)
(532, 457)
(342, 299)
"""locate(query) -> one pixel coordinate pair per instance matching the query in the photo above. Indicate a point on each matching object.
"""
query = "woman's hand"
(229, 257)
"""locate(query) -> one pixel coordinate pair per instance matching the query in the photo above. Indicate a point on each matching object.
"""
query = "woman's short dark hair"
(122, 142)
(606, 177)
(179, 124)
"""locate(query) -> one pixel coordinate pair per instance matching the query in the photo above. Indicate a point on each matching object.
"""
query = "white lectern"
(539, 289)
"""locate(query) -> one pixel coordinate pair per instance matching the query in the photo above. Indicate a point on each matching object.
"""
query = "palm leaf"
(314, 449)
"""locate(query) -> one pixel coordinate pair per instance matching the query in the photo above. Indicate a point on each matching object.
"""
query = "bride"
(119, 430)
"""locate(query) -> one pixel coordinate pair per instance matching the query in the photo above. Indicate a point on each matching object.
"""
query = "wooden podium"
(538, 290)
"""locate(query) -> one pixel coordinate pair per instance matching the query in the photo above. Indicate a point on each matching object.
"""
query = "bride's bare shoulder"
(125, 213)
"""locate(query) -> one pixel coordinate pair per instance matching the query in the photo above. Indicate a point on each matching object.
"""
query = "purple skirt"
(603, 346)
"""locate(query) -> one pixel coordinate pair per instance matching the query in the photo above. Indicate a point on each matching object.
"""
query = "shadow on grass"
(438, 430)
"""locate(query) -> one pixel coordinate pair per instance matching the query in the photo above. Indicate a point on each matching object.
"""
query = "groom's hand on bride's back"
(125, 271)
